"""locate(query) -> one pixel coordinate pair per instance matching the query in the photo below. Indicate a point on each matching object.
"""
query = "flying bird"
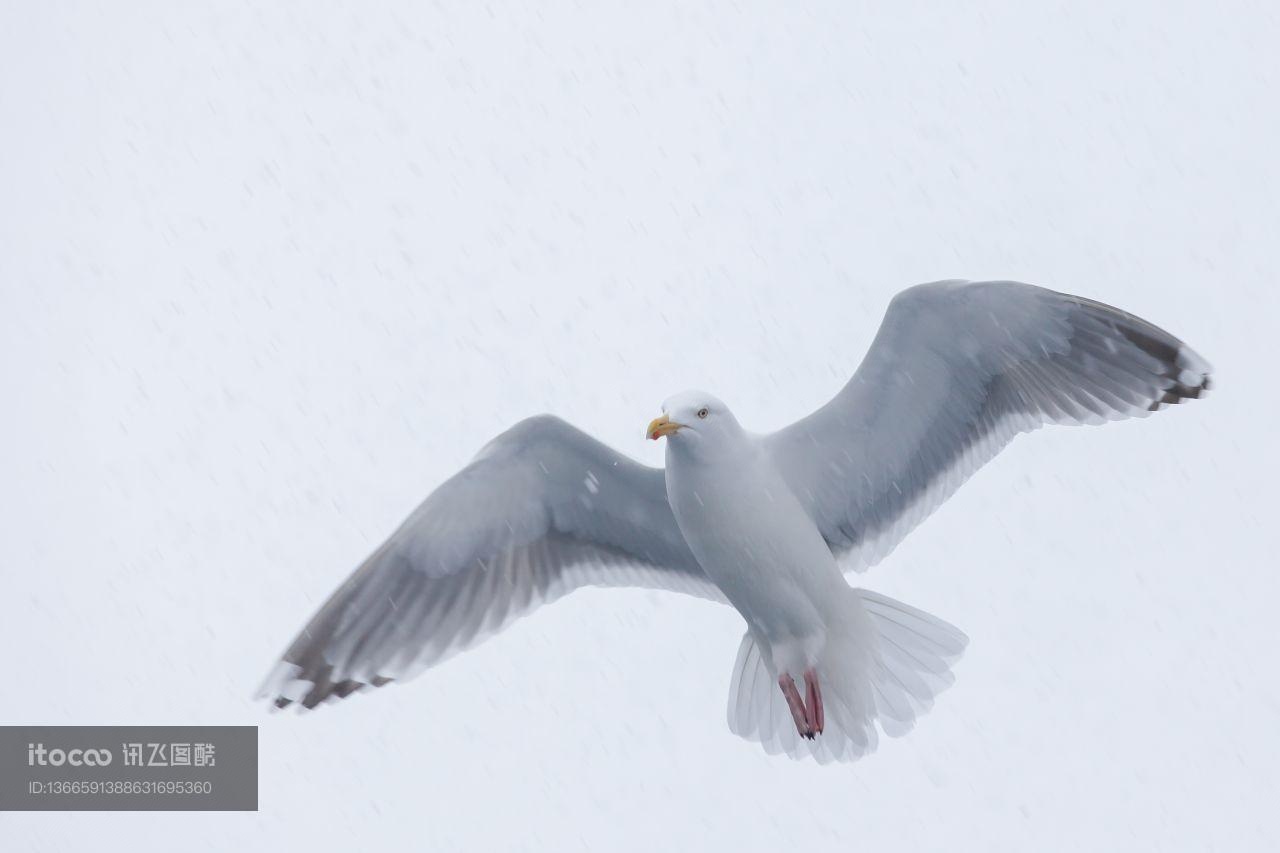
(769, 523)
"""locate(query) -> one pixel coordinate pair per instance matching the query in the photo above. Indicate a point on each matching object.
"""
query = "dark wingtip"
(1179, 391)
(325, 689)
(1177, 360)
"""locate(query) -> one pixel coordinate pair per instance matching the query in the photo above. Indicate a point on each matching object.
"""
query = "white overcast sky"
(268, 275)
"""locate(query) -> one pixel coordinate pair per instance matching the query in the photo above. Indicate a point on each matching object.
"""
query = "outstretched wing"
(542, 510)
(955, 372)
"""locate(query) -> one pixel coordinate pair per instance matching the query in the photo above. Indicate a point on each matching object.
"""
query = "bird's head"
(694, 418)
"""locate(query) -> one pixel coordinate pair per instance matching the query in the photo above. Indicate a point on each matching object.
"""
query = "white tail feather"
(886, 661)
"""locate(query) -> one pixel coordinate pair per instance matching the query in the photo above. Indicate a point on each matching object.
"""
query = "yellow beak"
(658, 427)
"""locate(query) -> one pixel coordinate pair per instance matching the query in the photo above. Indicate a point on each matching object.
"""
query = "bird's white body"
(755, 541)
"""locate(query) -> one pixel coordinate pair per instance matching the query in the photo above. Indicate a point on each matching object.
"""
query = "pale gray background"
(269, 275)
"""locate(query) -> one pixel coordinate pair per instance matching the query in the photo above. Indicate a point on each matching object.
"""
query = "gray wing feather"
(956, 370)
(542, 510)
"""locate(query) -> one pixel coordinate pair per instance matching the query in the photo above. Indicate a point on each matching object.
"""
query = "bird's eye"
(702, 413)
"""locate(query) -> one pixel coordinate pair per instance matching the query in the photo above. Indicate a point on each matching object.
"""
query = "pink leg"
(815, 716)
(796, 704)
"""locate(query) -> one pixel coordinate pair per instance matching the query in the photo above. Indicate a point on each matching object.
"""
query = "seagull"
(768, 523)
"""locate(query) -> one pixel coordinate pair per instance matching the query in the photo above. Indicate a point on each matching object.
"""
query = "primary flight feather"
(767, 523)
